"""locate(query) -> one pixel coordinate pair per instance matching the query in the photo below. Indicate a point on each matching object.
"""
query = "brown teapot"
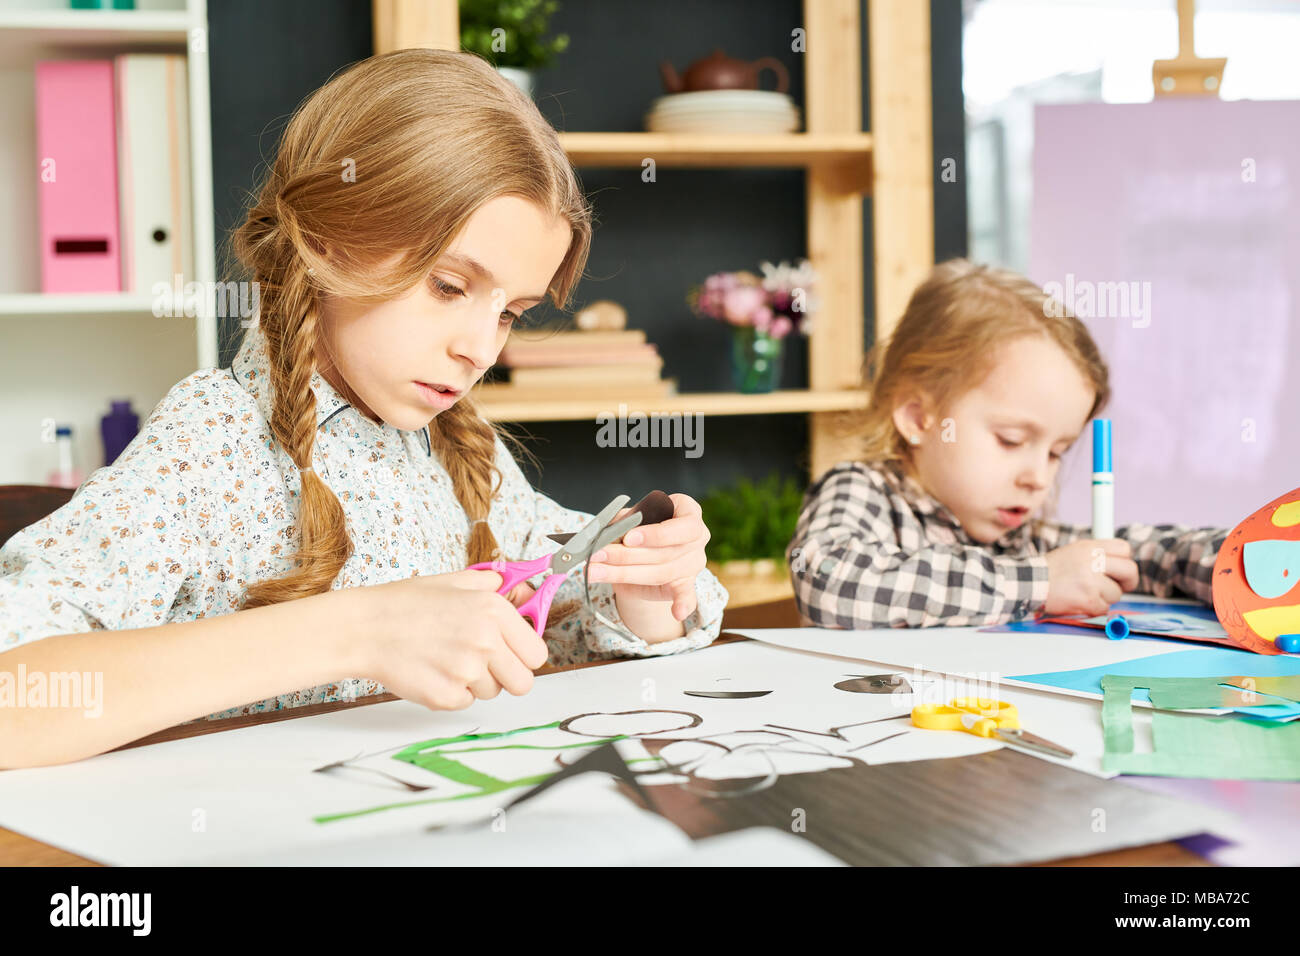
(721, 72)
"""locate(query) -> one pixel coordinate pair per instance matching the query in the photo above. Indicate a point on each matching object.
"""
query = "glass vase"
(755, 360)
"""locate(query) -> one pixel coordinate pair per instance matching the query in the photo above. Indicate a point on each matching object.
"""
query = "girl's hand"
(443, 640)
(655, 564)
(1088, 576)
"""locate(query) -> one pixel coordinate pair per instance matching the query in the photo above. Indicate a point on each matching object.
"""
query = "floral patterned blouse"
(204, 501)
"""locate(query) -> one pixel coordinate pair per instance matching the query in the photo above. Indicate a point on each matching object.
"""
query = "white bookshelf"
(67, 356)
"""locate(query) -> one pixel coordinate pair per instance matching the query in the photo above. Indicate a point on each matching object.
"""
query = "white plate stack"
(723, 111)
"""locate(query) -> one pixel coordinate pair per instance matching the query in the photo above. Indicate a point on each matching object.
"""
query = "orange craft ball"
(1257, 576)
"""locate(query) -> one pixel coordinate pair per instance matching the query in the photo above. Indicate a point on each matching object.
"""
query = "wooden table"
(18, 850)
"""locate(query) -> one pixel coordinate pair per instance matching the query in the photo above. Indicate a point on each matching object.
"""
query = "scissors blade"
(582, 543)
(615, 531)
(610, 533)
(1018, 737)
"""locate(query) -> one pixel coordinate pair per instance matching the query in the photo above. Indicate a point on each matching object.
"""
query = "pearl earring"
(915, 439)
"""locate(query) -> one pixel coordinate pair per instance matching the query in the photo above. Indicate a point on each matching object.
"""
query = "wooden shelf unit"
(893, 162)
(844, 159)
(686, 403)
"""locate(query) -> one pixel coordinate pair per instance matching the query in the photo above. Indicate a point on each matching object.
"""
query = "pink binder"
(77, 163)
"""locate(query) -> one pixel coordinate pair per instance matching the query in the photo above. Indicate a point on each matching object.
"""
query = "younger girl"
(977, 394)
(296, 529)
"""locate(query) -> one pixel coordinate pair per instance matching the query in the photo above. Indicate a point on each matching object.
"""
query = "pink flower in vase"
(711, 298)
(740, 304)
(781, 327)
(791, 293)
(763, 318)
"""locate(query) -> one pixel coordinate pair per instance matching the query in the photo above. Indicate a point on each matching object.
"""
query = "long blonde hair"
(945, 342)
(431, 136)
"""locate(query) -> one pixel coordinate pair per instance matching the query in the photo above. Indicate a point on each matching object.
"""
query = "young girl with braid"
(973, 400)
(297, 528)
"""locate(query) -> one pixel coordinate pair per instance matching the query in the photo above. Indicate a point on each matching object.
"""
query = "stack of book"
(616, 364)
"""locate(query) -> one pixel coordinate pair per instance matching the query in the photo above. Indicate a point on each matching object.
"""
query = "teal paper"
(1196, 662)
(1272, 566)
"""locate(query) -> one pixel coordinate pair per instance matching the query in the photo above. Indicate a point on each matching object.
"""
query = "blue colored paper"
(1197, 662)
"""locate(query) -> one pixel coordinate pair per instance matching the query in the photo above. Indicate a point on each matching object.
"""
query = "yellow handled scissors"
(984, 717)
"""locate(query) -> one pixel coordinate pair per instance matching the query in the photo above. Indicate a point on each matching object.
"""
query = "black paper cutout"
(727, 694)
(604, 759)
(835, 731)
(735, 786)
(565, 724)
(878, 740)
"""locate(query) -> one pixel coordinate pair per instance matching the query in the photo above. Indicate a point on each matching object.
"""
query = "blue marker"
(1288, 643)
(1117, 627)
(1103, 481)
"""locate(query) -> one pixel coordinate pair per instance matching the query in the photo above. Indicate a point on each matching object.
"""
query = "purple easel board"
(1173, 230)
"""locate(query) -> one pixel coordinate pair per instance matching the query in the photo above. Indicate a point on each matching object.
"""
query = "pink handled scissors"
(577, 550)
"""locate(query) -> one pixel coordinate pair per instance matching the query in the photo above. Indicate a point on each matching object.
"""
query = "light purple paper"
(1266, 810)
(1189, 208)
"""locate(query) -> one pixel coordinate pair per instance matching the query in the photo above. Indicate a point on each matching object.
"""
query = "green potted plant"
(750, 526)
(511, 34)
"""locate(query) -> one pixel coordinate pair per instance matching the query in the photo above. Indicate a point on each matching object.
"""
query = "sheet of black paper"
(1001, 807)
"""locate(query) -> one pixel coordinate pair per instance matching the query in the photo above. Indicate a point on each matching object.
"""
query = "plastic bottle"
(118, 427)
(66, 475)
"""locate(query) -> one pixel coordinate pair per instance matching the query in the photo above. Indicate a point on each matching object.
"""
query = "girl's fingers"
(681, 594)
(623, 555)
(685, 505)
(1110, 592)
(684, 600)
(444, 694)
(685, 566)
(521, 637)
(658, 562)
(1116, 546)
(645, 592)
(683, 527)
(476, 580)
(521, 593)
(485, 688)
(665, 534)
(1123, 571)
(510, 672)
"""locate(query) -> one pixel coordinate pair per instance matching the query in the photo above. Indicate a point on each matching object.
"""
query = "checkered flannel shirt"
(873, 549)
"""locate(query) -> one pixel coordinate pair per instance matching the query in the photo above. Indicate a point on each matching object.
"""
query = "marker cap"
(1101, 444)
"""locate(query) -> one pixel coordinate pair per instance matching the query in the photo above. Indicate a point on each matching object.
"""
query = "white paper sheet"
(985, 658)
(580, 822)
(251, 793)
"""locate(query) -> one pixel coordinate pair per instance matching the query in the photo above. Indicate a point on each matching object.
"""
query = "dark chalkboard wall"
(652, 240)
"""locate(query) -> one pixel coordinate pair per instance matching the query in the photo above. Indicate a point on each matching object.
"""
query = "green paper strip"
(1117, 713)
(1284, 686)
(1187, 745)
(1185, 693)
